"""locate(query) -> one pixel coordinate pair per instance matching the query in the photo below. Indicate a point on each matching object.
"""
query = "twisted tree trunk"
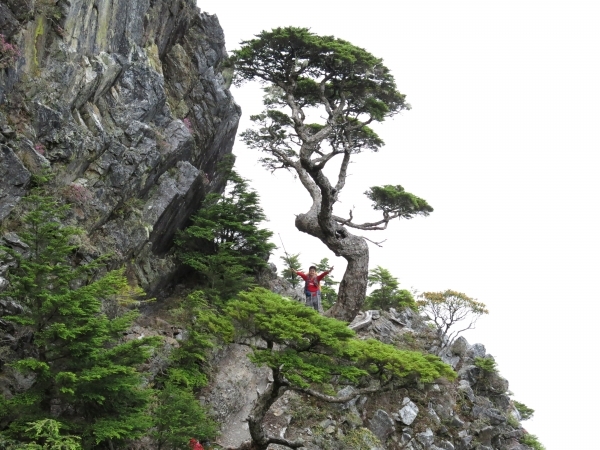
(260, 439)
(354, 249)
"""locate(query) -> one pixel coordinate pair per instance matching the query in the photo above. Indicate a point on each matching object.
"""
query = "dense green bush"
(486, 364)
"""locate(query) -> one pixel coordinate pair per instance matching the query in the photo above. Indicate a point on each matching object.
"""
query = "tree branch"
(378, 244)
(343, 173)
(366, 226)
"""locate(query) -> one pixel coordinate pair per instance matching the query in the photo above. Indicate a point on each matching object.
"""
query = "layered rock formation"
(126, 102)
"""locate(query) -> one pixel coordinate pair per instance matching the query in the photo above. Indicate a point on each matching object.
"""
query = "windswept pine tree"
(307, 352)
(309, 77)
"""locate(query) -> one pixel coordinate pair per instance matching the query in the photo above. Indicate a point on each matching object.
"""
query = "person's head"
(312, 270)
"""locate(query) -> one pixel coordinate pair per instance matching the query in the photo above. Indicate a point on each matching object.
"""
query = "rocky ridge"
(127, 103)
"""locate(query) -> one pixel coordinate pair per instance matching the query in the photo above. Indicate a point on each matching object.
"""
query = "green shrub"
(512, 421)
(48, 8)
(486, 364)
(525, 411)
(532, 441)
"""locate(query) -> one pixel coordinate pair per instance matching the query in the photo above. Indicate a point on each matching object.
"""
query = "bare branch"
(319, 163)
(369, 226)
(281, 441)
(343, 173)
(378, 244)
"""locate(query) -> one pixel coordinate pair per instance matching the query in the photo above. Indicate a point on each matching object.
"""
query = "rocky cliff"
(127, 103)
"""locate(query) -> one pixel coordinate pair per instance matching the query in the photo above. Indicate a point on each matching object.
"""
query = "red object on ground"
(195, 445)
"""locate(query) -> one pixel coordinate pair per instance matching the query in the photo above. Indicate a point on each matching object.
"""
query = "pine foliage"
(177, 413)
(307, 348)
(225, 243)
(292, 263)
(387, 294)
(525, 411)
(84, 375)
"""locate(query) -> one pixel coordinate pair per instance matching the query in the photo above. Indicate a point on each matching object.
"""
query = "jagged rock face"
(126, 102)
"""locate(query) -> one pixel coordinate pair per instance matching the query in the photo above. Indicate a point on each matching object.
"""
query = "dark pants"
(313, 299)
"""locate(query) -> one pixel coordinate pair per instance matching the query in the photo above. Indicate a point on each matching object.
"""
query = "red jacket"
(195, 445)
(313, 284)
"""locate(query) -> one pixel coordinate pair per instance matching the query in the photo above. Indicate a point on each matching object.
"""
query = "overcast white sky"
(502, 141)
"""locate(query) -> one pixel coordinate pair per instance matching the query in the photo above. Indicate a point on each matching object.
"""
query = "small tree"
(179, 415)
(308, 77)
(386, 295)
(292, 264)
(447, 309)
(305, 351)
(85, 376)
(224, 243)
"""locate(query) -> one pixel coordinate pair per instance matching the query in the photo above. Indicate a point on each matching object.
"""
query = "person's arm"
(300, 274)
(324, 274)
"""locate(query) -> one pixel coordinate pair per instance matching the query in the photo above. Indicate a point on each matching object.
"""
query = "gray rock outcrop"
(126, 102)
